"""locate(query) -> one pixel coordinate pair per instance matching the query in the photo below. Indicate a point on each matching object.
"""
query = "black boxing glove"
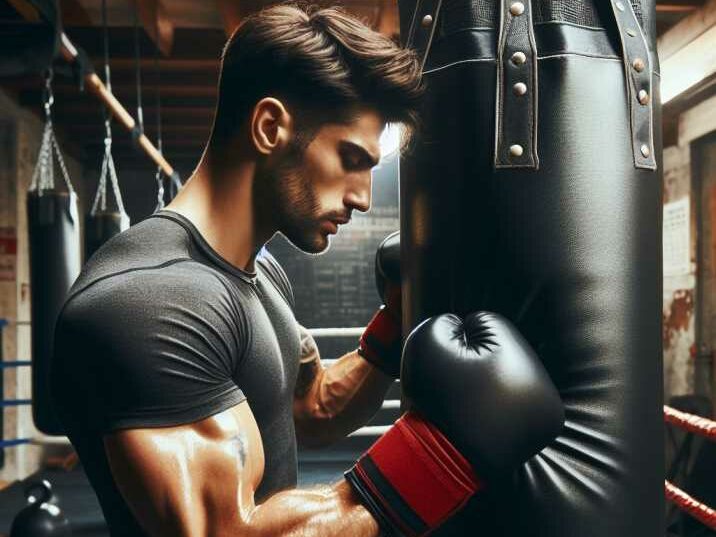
(381, 341)
(480, 404)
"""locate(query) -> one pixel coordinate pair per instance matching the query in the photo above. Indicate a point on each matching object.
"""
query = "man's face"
(317, 190)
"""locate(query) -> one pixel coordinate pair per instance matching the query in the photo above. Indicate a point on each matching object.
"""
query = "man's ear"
(271, 125)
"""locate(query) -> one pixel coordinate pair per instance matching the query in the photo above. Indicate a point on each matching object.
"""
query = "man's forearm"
(324, 511)
(343, 398)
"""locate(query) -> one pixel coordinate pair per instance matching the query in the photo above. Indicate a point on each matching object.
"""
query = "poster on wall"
(677, 238)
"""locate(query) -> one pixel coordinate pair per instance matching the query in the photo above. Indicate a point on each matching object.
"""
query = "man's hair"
(323, 63)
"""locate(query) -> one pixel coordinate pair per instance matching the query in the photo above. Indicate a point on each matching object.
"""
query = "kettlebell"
(40, 518)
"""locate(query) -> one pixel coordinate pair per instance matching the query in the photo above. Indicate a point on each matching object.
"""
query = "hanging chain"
(159, 176)
(108, 170)
(43, 176)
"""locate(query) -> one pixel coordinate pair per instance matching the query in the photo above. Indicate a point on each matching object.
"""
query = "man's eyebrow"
(372, 159)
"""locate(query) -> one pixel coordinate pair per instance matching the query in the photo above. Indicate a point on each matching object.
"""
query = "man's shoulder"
(150, 291)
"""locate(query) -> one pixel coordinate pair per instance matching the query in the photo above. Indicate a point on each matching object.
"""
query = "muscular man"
(180, 373)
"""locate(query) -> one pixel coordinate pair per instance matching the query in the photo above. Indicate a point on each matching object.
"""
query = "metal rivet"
(427, 20)
(631, 32)
(518, 58)
(517, 9)
(519, 89)
(620, 6)
(643, 96)
(645, 151)
(516, 150)
(638, 65)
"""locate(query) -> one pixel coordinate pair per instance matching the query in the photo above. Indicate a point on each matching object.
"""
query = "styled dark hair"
(324, 63)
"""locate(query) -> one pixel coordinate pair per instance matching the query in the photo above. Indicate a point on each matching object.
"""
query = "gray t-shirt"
(159, 330)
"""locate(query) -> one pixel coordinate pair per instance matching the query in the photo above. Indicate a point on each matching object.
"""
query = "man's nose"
(358, 195)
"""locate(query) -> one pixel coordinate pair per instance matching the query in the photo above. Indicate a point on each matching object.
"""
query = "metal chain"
(43, 176)
(108, 169)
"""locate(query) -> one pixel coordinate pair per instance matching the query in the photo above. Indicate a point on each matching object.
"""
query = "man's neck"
(221, 209)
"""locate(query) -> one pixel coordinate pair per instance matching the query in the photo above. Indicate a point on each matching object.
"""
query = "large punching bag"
(55, 260)
(535, 192)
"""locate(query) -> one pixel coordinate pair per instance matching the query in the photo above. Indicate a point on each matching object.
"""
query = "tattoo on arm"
(241, 443)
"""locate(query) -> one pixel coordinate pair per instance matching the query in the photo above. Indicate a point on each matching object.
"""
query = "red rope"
(695, 508)
(690, 422)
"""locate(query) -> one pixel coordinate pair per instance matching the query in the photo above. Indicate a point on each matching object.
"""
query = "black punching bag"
(102, 226)
(55, 260)
(535, 192)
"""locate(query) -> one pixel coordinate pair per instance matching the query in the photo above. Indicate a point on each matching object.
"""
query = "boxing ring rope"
(702, 427)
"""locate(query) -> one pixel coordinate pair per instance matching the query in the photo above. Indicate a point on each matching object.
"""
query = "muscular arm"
(199, 480)
(330, 403)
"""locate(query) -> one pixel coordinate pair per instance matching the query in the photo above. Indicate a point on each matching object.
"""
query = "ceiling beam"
(74, 13)
(388, 18)
(156, 22)
(686, 30)
(688, 53)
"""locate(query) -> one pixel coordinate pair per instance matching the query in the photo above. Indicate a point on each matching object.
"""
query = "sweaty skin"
(190, 481)
(199, 479)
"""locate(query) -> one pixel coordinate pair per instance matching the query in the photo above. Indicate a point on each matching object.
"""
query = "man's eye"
(351, 163)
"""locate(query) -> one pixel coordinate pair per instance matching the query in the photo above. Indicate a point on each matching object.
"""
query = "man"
(178, 370)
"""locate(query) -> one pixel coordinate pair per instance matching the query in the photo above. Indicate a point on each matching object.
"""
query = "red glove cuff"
(381, 342)
(413, 479)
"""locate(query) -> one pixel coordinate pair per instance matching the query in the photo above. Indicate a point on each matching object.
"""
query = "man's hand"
(381, 343)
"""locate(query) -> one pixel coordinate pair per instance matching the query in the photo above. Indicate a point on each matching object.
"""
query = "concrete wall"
(20, 136)
(679, 273)
(689, 305)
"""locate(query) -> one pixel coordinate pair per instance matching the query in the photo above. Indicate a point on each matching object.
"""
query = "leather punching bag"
(102, 226)
(535, 192)
(55, 260)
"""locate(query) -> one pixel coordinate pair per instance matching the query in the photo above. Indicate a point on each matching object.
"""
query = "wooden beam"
(686, 30)
(233, 11)
(74, 14)
(697, 121)
(156, 22)
(688, 52)
(388, 22)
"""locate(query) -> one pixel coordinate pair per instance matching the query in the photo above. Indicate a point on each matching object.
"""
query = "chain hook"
(48, 97)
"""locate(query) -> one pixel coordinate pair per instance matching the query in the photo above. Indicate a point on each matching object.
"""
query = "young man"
(179, 373)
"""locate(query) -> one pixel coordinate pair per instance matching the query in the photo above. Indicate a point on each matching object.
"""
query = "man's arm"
(330, 403)
(199, 480)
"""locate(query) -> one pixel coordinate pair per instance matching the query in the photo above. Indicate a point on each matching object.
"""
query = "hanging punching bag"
(55, 261)
(535, 192)
(102, 226)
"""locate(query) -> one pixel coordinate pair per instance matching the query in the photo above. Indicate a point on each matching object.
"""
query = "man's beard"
(288, 198)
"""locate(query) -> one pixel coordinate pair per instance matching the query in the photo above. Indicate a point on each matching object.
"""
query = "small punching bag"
(103, 223)
(534, 192)
(55, 260)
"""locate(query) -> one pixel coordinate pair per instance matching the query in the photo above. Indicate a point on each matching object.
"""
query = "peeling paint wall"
(679, 295)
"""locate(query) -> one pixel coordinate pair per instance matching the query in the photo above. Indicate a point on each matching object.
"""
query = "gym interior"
(112, 102)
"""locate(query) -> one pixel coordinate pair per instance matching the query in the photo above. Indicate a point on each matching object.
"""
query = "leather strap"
(422, 27)
(637, 68)
(516, 95)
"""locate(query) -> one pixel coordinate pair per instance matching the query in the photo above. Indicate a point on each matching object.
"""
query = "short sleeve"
(152, 348)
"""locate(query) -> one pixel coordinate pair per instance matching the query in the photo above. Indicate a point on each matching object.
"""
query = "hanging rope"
(108, 169)
(43, 177)
(159, 176)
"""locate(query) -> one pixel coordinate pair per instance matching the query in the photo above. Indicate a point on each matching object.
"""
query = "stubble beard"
(290, 201)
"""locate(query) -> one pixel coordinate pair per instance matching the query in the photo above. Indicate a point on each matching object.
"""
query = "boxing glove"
(381, 341)
(480, 404)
